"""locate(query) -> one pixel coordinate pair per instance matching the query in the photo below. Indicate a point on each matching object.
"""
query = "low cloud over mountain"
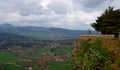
(69, 14)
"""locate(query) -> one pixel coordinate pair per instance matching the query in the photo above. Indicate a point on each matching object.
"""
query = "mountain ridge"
(42, 32)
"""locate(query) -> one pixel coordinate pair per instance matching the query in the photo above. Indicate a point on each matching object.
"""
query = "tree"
(108, 22)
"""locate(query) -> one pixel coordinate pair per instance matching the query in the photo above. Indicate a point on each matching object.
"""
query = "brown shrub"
(108, 43)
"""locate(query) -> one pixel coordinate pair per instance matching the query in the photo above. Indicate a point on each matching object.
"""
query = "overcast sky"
(68, 14)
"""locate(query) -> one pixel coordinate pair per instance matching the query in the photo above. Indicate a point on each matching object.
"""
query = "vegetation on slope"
(7, 57)
(61, 51)
(101, 54)
(10, 67)
(37, 52)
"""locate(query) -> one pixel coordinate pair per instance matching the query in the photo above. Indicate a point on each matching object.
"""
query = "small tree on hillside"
(108, 22)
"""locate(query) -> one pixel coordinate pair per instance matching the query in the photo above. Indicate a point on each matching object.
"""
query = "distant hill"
(13, 36)
(8, 40)
(42, 32)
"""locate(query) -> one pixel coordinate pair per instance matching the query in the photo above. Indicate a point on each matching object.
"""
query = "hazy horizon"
(67, 14)
(45, 27)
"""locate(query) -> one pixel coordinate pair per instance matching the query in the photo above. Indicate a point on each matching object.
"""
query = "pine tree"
(108, 22)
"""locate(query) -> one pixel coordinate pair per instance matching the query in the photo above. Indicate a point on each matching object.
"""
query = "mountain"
(42, 32)
(13, 36)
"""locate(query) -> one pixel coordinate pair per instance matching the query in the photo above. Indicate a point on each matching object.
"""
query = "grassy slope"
(10, 67)
(45, 36)
(64, 65)
(44, 50)
(7, 57)
(37, 52)
(36, 35)
(10, 58)
(64, 50)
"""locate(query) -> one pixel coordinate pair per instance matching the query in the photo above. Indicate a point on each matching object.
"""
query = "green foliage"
(118, 61)
(108, 22)
(63, 65)
(91, 56)
(108, 64)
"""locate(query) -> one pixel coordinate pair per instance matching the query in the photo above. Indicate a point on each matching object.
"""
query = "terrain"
(96, 52)
(23, 48)
(43, 33)
(24, 54)
(19, 52)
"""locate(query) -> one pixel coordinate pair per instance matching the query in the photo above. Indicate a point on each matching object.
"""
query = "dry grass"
(108, 42)
(113, 46)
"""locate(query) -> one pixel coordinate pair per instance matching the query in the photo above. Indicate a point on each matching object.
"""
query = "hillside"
(17, 52)
(96, 52)
(13, 36)
(43, 33)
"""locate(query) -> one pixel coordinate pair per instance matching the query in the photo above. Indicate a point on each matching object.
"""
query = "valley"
(36, 48)
(20, 52)
(43, 33)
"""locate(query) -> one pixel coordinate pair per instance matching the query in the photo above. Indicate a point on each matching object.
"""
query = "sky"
(67, 14)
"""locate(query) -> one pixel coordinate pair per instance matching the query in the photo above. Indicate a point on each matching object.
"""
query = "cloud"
(70, 14)
(60, 7)
(92, 5)
(89, 3)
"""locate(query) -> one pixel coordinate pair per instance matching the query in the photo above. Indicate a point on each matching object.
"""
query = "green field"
(37, 52)
(36, 35)
(7, 60)
(7, 57)
(43, 36)
(57, 51)
(10, 67)
(64, 65)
